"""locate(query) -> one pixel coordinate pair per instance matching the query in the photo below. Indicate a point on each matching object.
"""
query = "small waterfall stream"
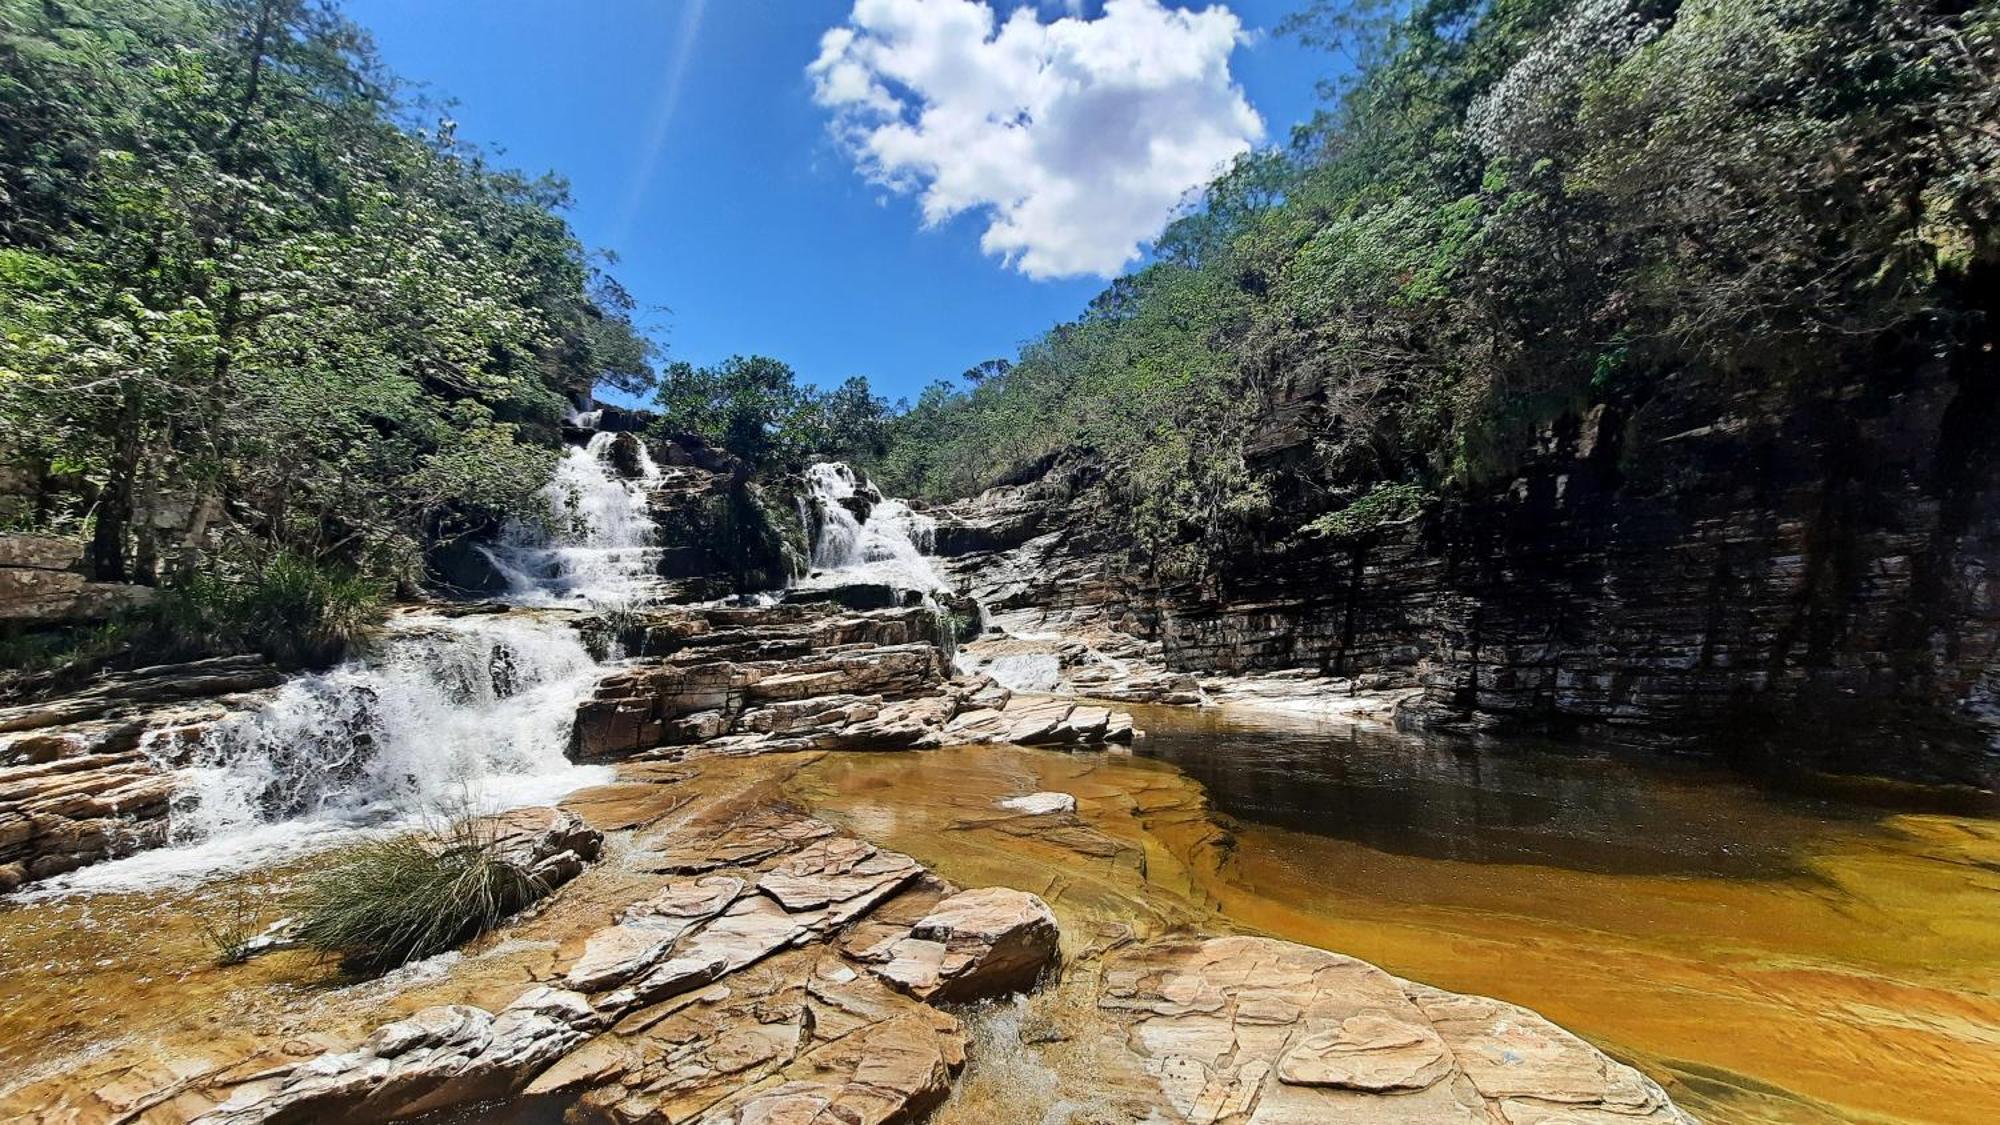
(600, 551)
(442, 716)
(882, 544)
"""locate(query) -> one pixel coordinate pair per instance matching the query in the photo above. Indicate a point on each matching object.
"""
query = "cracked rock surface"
(1255, 1030)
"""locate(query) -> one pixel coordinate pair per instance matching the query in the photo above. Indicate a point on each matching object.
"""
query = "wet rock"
(75, 786)
(974, 945)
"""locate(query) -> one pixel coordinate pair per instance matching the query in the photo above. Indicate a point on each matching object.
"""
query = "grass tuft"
(231, 926)
(385, 903)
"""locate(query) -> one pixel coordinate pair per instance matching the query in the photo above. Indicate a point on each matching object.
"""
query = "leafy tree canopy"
(246, 311)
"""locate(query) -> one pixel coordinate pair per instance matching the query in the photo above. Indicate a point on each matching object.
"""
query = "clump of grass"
(231, 926)
(385, 903)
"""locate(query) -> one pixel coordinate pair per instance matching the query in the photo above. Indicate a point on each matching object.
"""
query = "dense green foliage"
(384, 903)
(755, 408)
(246, 315)
(293, 610)
(1518, 208)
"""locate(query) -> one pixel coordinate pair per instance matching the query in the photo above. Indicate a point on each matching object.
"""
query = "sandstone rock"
(838, 869)
(1040, 804)
(647, 930)
(1258, 1029)
(437, 1059)
(550, 845)
(974, 945)
(40, 552)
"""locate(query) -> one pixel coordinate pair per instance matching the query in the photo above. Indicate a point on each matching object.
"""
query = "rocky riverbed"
(731, 956)
(900, 846)
(734, 958)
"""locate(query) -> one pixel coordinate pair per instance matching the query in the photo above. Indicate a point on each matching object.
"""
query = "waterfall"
(883, 544)
(442, 716)
(599, 552)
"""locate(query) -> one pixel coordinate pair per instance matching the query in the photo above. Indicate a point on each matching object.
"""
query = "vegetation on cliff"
(1517, 209)
(248, 310)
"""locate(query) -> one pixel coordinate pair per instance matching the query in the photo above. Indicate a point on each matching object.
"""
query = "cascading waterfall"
(600, 551)
(886, 548)
(443, 715)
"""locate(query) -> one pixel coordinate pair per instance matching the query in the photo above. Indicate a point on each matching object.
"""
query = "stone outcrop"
(437, 1059)
(42, 582)
(77, 781)
(782, 971)
(1245, 1029)
(809, 677)
(720, 997)
(548, 845)
(972, 946)
(1717, 567)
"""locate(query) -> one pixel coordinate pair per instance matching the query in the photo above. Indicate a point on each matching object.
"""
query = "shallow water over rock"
(1768, 958)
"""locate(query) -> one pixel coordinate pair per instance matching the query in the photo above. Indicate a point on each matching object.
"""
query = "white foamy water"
(601, 553)
(441, 717)
(446, 716)
(886, 548)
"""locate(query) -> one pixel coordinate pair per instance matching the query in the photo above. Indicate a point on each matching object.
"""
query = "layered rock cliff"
(1740, 569)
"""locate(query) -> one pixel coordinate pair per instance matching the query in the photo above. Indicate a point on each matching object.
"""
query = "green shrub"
(385, 903)
(293, 610)
(1384, 505)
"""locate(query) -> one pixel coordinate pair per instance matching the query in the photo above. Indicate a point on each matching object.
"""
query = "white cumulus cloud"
(1077, 138)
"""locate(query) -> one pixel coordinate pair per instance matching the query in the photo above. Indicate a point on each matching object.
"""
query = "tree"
(751, 406)
(244, 312)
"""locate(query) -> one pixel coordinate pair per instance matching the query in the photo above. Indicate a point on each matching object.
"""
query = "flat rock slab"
(1040, 804)
(1256, 1030)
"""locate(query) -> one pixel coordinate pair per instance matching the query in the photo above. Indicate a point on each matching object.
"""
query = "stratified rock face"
(810, 677)
(1816, 579)
(75, 786)
(1261, 1031)
(42, 583)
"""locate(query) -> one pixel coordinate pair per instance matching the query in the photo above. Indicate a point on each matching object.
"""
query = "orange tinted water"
(1769, 958)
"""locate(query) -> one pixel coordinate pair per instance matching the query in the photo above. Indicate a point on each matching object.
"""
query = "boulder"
(974, 945)
(549, 845)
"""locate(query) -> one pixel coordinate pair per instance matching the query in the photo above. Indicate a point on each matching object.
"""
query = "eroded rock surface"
(1256, 1030)
(721, 997)
(972, 946)
(811, 677)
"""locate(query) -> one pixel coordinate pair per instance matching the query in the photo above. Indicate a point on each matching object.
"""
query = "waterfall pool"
(1769, 956)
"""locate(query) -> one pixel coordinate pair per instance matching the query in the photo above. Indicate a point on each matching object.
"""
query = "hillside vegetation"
(1517, 209)
(250, 312)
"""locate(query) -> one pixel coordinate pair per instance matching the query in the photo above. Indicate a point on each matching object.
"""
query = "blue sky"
(727, 195)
